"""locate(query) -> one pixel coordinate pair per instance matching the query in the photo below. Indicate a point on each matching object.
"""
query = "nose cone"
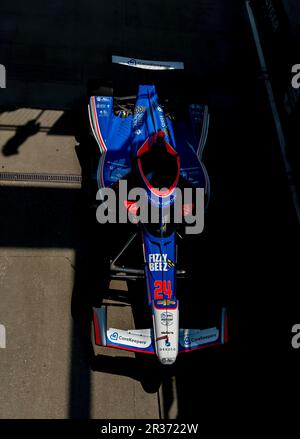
(166, 326)
(166, 361)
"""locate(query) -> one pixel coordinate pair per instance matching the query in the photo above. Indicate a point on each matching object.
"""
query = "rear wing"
(147, 64)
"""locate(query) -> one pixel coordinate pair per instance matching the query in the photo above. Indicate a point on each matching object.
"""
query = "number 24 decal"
(162, 288)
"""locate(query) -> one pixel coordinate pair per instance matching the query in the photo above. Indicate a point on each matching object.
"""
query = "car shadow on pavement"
(91, 287)
(48, 218)
(23, 132)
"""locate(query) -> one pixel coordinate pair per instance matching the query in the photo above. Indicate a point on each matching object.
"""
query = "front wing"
(142, 340)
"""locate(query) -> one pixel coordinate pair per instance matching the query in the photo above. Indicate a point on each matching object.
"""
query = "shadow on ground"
(22, 133)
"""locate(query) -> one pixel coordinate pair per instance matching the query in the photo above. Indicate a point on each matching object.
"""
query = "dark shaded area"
(49, 217)
(65, 125)
(37, 217)
(49, 65)
(101, 243)
(278, 25)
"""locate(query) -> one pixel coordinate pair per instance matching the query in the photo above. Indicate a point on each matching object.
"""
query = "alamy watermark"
(296, 77)
(2, 76)
(181, 206)
(295, 341)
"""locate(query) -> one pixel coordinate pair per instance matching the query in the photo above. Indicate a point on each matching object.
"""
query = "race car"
(143, 142)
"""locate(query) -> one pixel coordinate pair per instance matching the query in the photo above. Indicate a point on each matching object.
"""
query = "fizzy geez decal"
(160, 262)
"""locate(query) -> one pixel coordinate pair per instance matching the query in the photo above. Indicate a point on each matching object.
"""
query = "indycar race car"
(142, 143)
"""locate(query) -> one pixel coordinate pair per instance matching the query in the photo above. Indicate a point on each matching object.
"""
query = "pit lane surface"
(244, 254)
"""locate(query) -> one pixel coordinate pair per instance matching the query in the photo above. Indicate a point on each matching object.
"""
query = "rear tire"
(99, 88)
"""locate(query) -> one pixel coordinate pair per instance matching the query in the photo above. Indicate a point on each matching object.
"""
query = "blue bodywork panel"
(113, 134)
(119, 138)
(160, 258)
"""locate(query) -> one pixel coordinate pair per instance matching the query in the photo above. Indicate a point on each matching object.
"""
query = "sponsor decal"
(170, 263)
(125, 338)
(167, 360)
(166, 302)
(160, 262)
(166, 318)
(132, 62)
(102, 98)
(163, 122)
(199, 339)
(187, 340)
(132, 340)
(167, 349)
(147, 64)
(114, 336)
(193, 338)
(103, 113)
(102, 106)
(139, 109)
(138, 115)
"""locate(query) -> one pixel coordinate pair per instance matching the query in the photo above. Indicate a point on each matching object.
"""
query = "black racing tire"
(99, 88)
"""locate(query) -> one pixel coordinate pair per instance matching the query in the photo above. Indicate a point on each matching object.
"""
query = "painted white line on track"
(274, 109)
(2, 337)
